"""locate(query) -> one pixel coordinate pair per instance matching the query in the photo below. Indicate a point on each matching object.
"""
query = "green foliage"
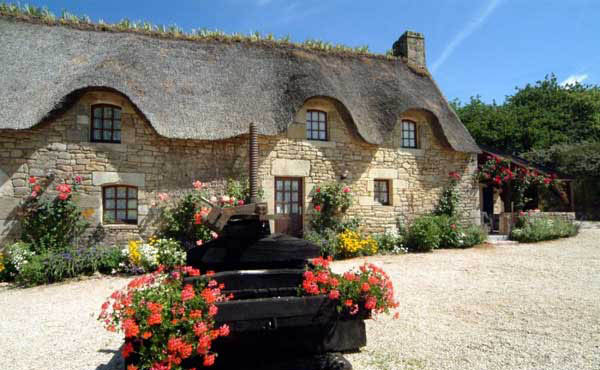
(14, 257)
(474, 235)
(170, 253)
(330, 202)
(448, 203)
(240, 189)
(390, 243)
(531, 229)
(327, 240)
(50, 223)
(53, 266)
(423, 234)
(178, 219)
(451, 232)
(536, 117)
(173, 31)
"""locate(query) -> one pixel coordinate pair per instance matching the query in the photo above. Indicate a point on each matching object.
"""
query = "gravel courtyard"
(504, 307)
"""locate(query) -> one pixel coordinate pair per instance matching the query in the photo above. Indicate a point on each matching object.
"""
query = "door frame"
(300, 199)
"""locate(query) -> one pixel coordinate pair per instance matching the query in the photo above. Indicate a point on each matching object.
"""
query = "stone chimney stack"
(411, 45)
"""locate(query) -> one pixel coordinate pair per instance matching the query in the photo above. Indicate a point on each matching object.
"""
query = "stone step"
(500, 240)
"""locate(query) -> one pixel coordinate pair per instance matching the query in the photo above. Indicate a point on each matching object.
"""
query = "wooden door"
(289, 203)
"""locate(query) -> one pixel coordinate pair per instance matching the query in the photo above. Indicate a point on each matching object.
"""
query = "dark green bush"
(423, 234)
(451, 232)
(109, 259)
(473, 235)
(327, 240)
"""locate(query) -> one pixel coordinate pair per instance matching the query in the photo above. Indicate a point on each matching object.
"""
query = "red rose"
(318, 190)
(318, 208)
(346, 190)
(31, 180)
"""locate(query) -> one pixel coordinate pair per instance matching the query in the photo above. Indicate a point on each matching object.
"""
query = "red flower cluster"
(370, 287)
(64, 191)
(454, 175)
(160, 311)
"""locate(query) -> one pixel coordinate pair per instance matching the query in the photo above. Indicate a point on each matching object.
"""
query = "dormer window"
(106, 124)
(409, 134)
(316, 125)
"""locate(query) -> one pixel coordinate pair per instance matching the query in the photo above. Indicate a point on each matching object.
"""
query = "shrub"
(327, 241)
(474, 235)
(170, 253)
(179, 220)
(330, 202)
(451, 232)
(423, 234)
(390, 243)
(33, 272)
(14, 257)
(166, 321)
(352, 243)
(531, 229)
(109, 259)
(50, 223)
(450, 198)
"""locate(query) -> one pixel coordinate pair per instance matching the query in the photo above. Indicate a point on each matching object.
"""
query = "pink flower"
(212, 310)
(197, 185)
(199, 242)
(187, 293)
(214, 235)
(334, 294)
(34, 194)
(63, 196)
(78, 179)
(240, 202)
(346, 189)
(163, 196)
(354, 309)
(224, 330)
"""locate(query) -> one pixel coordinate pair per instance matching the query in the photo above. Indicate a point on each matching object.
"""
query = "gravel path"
(506, 307)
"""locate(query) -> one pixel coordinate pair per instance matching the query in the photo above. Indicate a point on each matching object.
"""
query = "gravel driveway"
(506, 307)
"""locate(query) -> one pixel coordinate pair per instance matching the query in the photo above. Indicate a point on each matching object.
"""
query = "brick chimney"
(411, 45)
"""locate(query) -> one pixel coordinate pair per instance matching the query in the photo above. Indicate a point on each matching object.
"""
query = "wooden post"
(571, 196)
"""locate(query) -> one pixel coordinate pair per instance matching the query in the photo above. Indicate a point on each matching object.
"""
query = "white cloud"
(572, 79)
(465, 32)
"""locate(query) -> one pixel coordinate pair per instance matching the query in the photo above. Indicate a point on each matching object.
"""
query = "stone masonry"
(157, 164)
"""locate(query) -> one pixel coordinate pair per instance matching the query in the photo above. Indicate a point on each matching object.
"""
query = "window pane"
(288, 185)
(109, 204)
(107, 124)
(295, 185)
(121, 192)
(107, 112)
(322, 126)
(308, 116)
(121, 204)
(109, 192)
(117, 136)
(287, 197)
(132, 204)
(322, 135)
(97, 112)
(97, 134)
(294, 196)
(279, 196)
(295, 208)
(121, 215)
(278, 209)
(279, 185)
(107, 135)
(117, 124)
(132, 215)
(117, 113)
(97, 123)
(132, 192)
(314, 116)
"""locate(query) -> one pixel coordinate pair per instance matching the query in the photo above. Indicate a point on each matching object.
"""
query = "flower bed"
(533, 227)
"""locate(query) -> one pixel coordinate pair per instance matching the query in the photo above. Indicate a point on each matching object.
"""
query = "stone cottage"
(138, 114)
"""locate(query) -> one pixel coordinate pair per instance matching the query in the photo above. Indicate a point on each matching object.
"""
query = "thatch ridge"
(208, 88)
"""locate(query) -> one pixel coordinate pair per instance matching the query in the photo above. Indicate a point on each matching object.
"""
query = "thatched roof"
(207, 89)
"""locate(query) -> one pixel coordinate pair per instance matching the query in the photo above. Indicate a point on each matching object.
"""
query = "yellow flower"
(134, 253)
(1, 262)
(352, 243)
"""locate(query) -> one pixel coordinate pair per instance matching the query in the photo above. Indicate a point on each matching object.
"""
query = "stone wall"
(156, 164)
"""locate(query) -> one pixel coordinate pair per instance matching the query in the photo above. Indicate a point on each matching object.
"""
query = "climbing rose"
(346, 190)
(318, 190)
(78, 179)
(63, 196)
(240, 202)
(197, 185)
(37, 188)
(34, 194)
(199, 242)
(318, 208)
(163, 196)
(32, 180)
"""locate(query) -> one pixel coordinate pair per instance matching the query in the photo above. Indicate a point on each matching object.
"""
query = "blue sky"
(485, 47)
